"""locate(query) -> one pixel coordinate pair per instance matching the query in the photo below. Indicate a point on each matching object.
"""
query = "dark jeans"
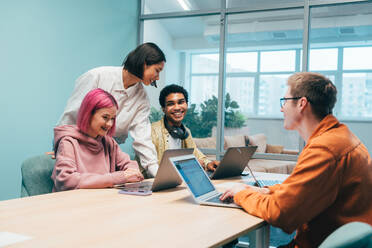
(289, 245)
(278, 238)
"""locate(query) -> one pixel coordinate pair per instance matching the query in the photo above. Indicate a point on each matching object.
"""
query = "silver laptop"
(197, 181)
(166, 177)
(234, 162)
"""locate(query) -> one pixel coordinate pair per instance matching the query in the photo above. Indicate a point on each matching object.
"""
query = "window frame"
(223, 12)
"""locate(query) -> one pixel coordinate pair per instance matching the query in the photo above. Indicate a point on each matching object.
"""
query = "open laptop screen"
(194, 176)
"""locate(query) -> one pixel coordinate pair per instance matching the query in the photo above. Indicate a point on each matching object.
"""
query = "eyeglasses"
(284, 100)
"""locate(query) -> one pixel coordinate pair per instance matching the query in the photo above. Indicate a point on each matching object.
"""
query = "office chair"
(36, 172)
(350, 235)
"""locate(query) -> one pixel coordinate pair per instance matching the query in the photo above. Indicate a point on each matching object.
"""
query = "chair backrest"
(36, 175)
(350, 235)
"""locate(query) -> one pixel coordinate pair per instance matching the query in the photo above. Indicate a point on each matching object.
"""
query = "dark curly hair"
(169, 89)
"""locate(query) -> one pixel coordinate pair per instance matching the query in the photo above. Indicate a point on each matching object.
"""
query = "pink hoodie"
(85, 162)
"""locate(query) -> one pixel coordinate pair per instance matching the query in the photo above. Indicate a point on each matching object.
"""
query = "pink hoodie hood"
(85, 162)
(94, 145)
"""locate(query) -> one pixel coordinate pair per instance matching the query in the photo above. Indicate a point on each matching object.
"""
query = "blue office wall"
(44, 46)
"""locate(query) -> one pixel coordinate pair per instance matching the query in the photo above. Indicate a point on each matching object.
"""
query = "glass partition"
(192, 62)
(263, 46)
(341, 45)
(263, 49)
(259, 3)
(341, 48)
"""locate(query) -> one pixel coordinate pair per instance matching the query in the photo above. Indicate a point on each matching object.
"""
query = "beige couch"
(259, 140)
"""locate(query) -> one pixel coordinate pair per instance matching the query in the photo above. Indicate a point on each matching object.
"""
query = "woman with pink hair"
(126, 83)
(86, 154)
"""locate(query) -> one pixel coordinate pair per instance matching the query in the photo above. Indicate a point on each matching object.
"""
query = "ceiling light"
(184, 4)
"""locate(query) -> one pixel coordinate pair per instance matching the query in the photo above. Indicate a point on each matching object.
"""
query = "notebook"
(233, 162)
(262, 183)
(166, 177)
(197, 181)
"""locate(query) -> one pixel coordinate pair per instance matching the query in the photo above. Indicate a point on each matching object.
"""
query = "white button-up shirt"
(132, 115)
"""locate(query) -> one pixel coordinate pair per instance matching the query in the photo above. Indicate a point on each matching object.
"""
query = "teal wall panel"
(44, 46)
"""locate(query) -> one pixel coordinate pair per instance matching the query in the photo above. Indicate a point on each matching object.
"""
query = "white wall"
(154, 32)
(44, 46)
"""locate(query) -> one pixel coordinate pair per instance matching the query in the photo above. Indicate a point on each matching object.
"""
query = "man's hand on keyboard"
(229, 194)
(228, 200)
(211, 166)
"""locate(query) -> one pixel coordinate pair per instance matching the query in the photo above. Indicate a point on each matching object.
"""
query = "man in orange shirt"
(332, 181)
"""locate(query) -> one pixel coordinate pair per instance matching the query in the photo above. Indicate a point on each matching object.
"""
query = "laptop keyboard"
(215, 199)
(265, 182)
(269, 182)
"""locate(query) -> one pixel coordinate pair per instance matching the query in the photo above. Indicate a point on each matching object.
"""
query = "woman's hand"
(132, 175)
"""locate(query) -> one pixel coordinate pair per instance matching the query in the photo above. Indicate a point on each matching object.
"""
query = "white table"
(104, 218)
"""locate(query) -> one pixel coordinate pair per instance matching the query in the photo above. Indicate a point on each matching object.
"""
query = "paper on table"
(8, 238)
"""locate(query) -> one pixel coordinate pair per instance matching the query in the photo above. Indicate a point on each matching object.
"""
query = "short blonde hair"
(319, 91)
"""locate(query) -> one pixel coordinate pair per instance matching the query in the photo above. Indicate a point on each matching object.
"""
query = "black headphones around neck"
(176, 132)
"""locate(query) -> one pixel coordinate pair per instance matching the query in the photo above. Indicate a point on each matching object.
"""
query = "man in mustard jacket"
(169, 132)
(332, 181)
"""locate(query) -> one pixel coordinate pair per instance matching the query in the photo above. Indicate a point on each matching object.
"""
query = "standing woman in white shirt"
(141, 67)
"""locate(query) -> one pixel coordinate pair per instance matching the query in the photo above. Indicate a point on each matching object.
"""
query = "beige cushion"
(258, 140)
(209, 142)
(290, 152)
(272, 166)
(234, 141)
(274, 148)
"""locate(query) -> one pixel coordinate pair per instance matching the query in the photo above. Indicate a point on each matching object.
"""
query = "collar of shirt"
(119, 87)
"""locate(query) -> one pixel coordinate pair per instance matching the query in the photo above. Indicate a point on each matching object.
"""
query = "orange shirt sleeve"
(302, 196)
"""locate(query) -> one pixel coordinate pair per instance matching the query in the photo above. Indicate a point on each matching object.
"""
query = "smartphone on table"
(135, 192)
(139, 188)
